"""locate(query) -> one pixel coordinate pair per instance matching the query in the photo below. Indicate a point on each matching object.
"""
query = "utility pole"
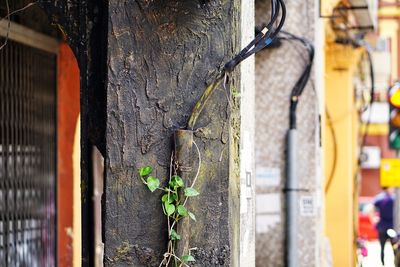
(292, 198)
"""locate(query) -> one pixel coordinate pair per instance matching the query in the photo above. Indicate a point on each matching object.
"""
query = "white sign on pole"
(307, 206)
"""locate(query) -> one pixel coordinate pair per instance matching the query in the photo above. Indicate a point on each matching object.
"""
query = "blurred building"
(355, 134)
(387, 72)
(340, 143)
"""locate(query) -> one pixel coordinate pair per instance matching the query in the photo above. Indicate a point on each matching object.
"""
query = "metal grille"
(27, 156)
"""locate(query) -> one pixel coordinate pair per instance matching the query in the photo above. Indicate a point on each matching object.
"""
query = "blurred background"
(347, 163)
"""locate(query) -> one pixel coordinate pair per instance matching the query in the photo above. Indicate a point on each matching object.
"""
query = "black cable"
(282, 22)
(260, 38)
(364, 137)
(335, 150)
(274, 13)
(356, 44)
(301, 83)
(263, 39)
(371, 102)
(272, 37)
(273, 9)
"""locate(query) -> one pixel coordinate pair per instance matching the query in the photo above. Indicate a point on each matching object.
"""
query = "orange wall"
(68, 111)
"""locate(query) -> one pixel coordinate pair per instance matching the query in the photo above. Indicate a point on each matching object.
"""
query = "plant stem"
(198, 170)
(170, 177)
(178, 259)
(203, 100)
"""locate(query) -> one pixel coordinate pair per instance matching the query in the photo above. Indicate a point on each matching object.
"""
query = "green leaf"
(172, 184)
(145, 171)
(191, 192)
(188, 258)
(182, 211)
(174, 235)
(165, 198)
(178, 181)
(169, 208)
(171, 198)
(192, 216)
(152, 183)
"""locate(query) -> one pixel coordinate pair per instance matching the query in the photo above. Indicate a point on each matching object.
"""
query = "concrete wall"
(276, 72)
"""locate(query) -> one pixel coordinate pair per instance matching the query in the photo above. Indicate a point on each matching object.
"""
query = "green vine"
(173, 203)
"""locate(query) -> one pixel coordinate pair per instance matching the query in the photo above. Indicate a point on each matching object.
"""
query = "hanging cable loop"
(301, 83)
(263, 39)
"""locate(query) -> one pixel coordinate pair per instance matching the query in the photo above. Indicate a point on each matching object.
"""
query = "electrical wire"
(356, 183)
(263, 39)
(365, 133)
(17, 10)
(372, 99)
(8, 15)
(335, 150)
(364, 137)
(301, 83)
(281, 23)
(8, 26)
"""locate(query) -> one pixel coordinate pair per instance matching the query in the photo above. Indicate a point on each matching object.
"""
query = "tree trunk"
(161, 56)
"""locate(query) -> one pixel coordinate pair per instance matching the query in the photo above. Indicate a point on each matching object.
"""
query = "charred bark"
(161, 56)
(139, 81)
(83, 23)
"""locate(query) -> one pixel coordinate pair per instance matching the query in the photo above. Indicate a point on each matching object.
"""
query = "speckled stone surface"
(276, 72)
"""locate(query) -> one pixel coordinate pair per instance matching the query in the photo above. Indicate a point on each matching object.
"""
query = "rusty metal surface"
(276, 72)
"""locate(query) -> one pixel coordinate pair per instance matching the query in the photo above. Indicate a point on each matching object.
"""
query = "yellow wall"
(77, 240)
(341, 200)
(341, 63)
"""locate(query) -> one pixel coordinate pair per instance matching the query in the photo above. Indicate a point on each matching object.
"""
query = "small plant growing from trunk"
(173, 203)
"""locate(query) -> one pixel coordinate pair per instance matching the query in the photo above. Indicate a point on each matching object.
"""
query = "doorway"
(28, 134)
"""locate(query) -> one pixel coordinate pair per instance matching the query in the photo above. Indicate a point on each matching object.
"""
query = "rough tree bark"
(160, 56)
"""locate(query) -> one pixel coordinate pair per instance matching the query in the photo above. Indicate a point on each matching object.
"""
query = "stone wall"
(277, 70)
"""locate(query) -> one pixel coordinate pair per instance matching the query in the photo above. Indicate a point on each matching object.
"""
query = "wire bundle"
(301, 83)
(264, 38)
